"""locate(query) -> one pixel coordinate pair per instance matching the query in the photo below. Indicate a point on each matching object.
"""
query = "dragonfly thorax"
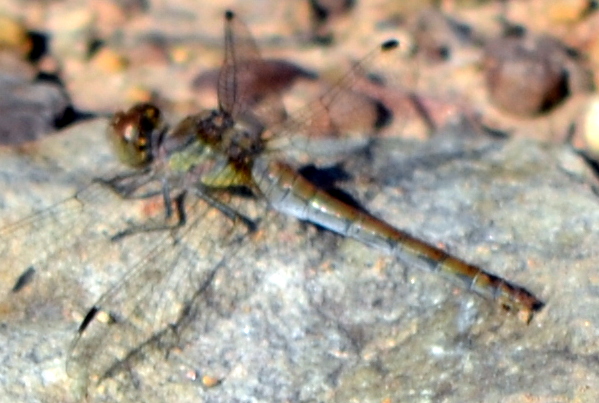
(243, 141)
(239, 139)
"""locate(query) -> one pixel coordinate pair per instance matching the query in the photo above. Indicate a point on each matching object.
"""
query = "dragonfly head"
(135, 133)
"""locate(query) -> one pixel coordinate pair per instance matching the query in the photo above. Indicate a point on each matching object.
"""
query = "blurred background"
(518, 68)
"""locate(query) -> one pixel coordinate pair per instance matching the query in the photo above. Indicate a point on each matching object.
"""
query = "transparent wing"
(352, 105)
(238, 76)
(356, 103)
(54, 242)
(170, 284)
(157, 280)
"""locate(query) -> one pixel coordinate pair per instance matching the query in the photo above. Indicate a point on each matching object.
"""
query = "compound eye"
(132, 134)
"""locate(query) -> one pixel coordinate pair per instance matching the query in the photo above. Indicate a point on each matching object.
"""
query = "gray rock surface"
(298, 314)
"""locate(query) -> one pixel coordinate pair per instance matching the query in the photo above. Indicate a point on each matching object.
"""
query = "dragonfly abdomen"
(512, 297)
(292, 194)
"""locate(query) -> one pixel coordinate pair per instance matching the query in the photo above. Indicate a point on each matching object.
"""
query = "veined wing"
(347, 100)
(156, 293)
(171, 283)
(34, 240)
(59, 236)
(176, 260)
(350, 99)
(343, 114)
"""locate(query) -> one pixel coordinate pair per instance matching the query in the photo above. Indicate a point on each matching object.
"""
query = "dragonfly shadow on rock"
(24, 279)
(327, 179)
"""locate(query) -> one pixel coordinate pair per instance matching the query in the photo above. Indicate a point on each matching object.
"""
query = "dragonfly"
(223, 163)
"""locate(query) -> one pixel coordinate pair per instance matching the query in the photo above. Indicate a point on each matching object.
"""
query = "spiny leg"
(151, 227)
(126, 190)
(227, 210)
(181, 215)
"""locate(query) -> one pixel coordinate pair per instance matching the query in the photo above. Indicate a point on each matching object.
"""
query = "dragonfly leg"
(165, 226)
(181, 216)
(227, 210)
(127, 184)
